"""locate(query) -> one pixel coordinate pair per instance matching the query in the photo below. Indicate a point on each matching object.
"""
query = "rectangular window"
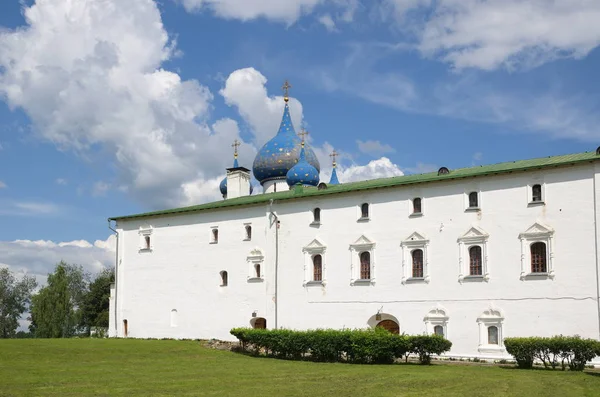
(365, 266)
(416, 206)
(473, 200)
(417, 263)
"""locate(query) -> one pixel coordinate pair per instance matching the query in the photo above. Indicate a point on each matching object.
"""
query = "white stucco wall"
(181, 272)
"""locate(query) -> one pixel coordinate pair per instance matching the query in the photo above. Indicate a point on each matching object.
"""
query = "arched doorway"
(260, 323)
(389, 325)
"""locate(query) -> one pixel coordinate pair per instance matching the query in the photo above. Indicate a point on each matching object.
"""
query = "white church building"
(476, 254)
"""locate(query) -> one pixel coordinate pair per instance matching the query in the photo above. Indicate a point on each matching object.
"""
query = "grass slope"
(126, 367)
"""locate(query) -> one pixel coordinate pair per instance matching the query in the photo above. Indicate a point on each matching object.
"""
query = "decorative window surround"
(256, 257)
(537, 233)
(413, 242)
(491, 317)
(474, 236)
(363, 244)
(146, 241)
(436, 316)
(315, 247)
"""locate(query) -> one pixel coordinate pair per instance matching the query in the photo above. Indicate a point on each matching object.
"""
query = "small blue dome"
(302, 173)
(223, 187)
(334, 178)
(281, 153)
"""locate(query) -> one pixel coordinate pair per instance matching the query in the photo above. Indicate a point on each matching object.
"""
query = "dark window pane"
(417, 206)
(536, 193)
(365, 210)
(317, 268)
(417, 263)
(317, 215)
(475, 264)
(438, 330)
(365, 265)
(473, 200)
(538, 258)
(492, 335)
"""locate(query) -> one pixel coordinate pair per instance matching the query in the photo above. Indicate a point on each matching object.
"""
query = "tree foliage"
(56, 309)
(15, 295)
(96, 301)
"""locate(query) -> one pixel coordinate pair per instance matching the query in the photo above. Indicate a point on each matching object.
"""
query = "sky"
(111, 107)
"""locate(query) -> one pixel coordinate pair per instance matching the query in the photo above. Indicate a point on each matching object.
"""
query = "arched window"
(317, 268)
(317, 215)
(438, 330)
(224, 279)
(417, 263)
(536, 193)
(416, 205)
(390, 326)
(364, 210)
(260, 323)
(492, 335)
(257, 270)
(365, 265)
(538, 258)
(248, 232)
(475, 264)
(215, 235)
(174, 318)
(125, 328)
(473, 200)
(147, 242)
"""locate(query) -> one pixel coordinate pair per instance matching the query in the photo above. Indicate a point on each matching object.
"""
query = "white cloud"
(422, 168)
(488, 34)
(2, 185)
(38, 258)
(89, 74)
(327, 21)
(374, 147)
(61, 181)
(245, 89)
(100, 188)
(28, 208)
(380, 168)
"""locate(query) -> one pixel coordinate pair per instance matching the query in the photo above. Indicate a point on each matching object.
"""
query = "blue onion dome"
(282, 152)
(302, 173)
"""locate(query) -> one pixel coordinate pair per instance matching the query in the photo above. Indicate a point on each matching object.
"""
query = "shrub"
(570, 351)
(354, 346)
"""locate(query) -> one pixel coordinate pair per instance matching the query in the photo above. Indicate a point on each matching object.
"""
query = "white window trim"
(411, 213)
(436, 316)
(537, 233)
(256, 257)
(411, 243)
(490, 317)
(315, 247)
(363, 244)
(474, 236)
(212, 239)
(246, 238)
(359, 215)
(466, 199)
(313, 222)
(536, 181)
(143, 233)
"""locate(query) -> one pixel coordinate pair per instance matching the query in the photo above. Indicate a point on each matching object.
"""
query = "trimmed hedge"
(355, 346)
(566, 351)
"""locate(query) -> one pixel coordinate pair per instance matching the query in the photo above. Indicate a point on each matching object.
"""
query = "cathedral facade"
(475, 254)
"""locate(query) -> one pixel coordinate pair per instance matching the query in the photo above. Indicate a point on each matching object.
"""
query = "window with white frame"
(537, 253)
(146, 239)
(415, 266)
(315, 263)
(417, 206)
(536, 192)
(364, 212)
(247, 231)
(491, 331)
(473, 200)
(214, 235)
(362, 265)
(436, 322)
(255, 262)
(473, 255)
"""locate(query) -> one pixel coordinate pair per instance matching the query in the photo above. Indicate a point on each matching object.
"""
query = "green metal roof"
(493, 169)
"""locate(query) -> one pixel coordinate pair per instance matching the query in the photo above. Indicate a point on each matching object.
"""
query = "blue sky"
(109, 108)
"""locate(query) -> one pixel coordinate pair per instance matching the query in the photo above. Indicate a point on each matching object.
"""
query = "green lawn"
(126, 367)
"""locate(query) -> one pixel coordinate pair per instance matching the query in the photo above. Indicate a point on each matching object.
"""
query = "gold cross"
(303, 134)
(235, 146)
(333, 155)
(286, 90)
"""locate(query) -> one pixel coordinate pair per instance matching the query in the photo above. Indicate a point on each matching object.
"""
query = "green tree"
(14, 297)
(56, 309)
(96, 301)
